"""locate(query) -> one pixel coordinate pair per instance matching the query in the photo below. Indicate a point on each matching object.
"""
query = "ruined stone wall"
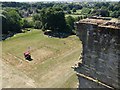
(101, 55)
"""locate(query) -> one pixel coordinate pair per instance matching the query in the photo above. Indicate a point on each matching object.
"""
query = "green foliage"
(73, 10)
(110, 7)
(38, 25)
(68, 11)
(103, 8)
(78, 18)
(4, 24)
(11, 19)
(115, 10)
(115, 14)
(26, 24)
(51, 15)
(51, 18)
(97, 8)
(98, 12)
(101, 4)
(85, 11)
(107, 9)
(14, 4)
(36, 17)
(70, 22)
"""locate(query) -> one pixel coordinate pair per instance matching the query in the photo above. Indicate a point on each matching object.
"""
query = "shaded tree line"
(47, 19)
(53, 19)
(52, 15)
(104, 9)
(11, 21)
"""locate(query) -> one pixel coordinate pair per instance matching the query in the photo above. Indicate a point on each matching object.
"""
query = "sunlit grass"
(65, 51)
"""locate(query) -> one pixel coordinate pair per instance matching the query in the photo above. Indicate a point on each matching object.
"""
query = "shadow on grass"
(57, 34)
(49, 33)
(11, 34)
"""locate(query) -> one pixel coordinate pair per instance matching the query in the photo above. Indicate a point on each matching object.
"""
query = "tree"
(11, 19)
(36, 17)
(70, 23)
(104, 13)
(85, 11)
(98, 12)
(51, 18)
(115, 14)
(73, 10)
(4, 24)
(110, 7)
(26, 24)
(38, 25)
(68, 11)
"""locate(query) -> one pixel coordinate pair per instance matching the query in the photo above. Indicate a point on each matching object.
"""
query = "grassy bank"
(52, 59)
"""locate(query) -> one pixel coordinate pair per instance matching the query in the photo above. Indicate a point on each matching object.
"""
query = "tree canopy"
(11, 21)
(51, 15)
(51, 18)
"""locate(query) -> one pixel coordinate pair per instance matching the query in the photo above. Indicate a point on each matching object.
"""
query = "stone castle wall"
(101, 55)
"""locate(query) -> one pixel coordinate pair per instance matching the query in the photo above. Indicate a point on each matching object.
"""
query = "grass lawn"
(73, 15)
(51, 64)
(28, 18)
(78, 11)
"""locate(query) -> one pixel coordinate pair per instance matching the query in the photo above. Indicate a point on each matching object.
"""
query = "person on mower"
(27, 55)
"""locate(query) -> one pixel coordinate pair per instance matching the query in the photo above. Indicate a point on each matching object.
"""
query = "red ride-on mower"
(27, 56)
